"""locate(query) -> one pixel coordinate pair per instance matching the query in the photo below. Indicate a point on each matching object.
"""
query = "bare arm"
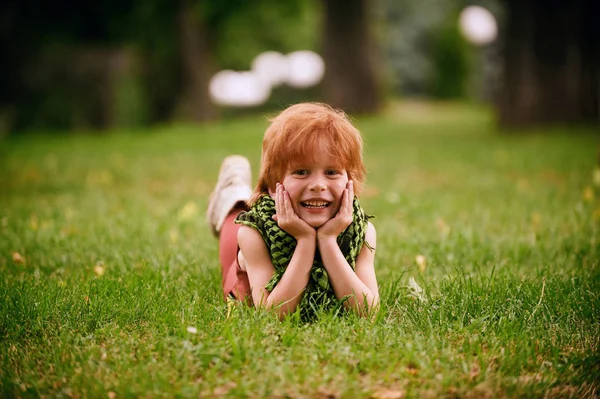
(287, 293)
(360, 285)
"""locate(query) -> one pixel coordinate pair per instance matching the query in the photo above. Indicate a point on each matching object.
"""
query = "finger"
(350, 192)
(347, 201)
(287, 204)
(281, 203)
(342, 211)
(280, 198)
(287, 201)
(347, 207)
(277, 202)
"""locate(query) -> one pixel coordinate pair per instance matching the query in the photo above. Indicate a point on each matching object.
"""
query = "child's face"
(316, 185)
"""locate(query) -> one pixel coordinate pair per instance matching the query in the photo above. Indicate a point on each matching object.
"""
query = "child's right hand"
(287, 219)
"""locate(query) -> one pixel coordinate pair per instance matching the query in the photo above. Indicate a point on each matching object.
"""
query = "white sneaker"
(233, 186)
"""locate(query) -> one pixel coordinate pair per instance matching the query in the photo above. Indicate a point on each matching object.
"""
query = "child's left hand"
(343, 218)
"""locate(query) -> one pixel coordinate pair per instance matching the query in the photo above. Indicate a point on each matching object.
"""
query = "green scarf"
(281, 245)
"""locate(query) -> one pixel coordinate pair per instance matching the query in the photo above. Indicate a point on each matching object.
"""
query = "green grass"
(106, 260)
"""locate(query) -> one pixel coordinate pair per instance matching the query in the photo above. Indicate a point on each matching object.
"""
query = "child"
(301, 240)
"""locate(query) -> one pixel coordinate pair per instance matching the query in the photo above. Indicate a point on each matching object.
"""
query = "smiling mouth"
(315, 204)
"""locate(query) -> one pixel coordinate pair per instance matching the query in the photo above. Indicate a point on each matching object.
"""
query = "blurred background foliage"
(131, 63)
(122, 63)
(428, 57)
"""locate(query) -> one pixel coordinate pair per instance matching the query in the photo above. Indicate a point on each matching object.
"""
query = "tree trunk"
(194, 103)
(350, 80)
(551, 71)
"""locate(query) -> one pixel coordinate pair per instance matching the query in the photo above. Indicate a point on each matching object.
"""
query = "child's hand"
(287, 219)
(343, 218)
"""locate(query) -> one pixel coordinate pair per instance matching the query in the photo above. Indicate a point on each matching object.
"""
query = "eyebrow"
(304, 166)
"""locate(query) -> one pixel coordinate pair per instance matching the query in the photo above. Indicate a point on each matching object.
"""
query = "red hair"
(301, 130)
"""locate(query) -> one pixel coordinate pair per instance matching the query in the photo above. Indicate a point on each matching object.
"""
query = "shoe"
(233, 187)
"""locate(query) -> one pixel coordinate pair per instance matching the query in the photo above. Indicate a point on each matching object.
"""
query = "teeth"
(315, 204)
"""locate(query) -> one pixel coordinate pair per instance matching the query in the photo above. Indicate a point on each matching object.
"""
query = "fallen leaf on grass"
(421, 262)
(224, 389)
(324, 393)
(569, 391)
(174, 235)
(18, 258)
(188, 211)
(99, 269)
(588, 194)
(529, 379)
(481, 391)
(192, 330)
(412, 369)
(443, 227)
(384, 393)
(415, 291)
(475, 371)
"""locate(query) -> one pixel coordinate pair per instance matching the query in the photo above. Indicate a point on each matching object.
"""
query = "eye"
(332, 172)
(300, 172)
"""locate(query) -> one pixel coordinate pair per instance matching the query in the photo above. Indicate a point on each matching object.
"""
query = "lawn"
(111, 288)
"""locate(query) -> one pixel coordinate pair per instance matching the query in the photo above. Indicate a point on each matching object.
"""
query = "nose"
(317, 183)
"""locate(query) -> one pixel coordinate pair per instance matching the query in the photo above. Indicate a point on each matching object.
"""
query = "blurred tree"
(129, 62)
(551, 63)
(196, 62)
(351, 80)
(427, 56)
(449, 56)
(64, 60)
(411, 27)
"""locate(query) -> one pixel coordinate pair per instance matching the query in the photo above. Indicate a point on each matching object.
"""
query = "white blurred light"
(306, 68)
(478, 25)
(238, 89)
(271, 66)
(299, 69)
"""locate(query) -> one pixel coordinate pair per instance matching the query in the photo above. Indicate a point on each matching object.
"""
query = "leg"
(234, 280)
(228, 246)
(228, 199)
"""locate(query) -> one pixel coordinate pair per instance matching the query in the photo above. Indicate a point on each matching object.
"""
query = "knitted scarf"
(281, 245)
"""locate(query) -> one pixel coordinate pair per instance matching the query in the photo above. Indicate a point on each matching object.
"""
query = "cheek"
(339, 188)
(291, 187)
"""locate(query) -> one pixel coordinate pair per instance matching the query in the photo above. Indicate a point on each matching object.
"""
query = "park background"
(483, 176)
